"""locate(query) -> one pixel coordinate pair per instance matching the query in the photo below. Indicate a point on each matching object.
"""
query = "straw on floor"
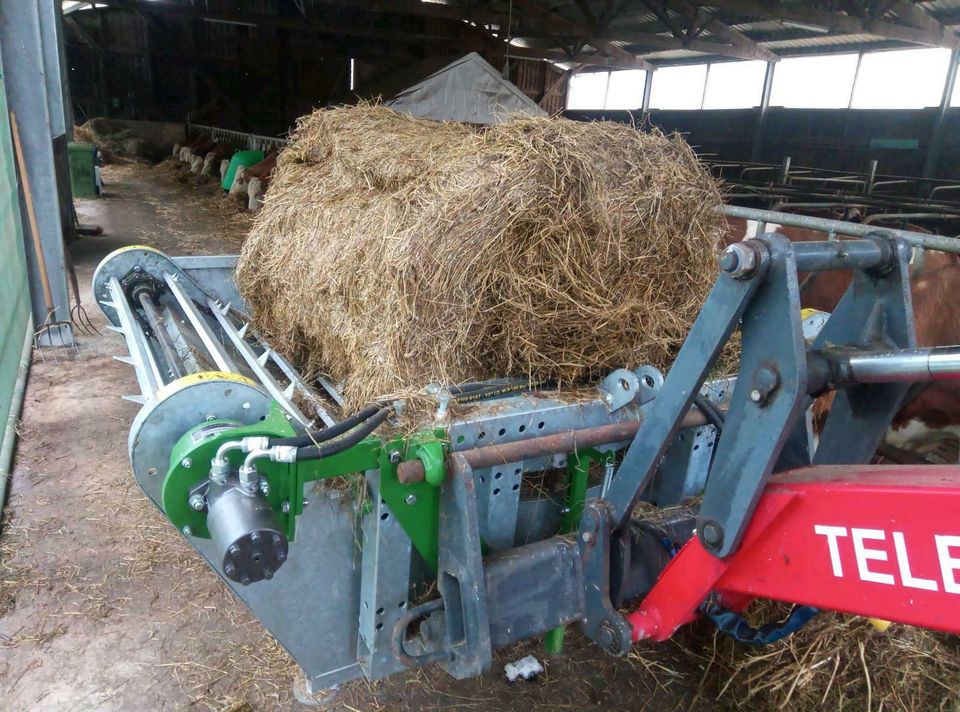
(834, 662)
(393, 252)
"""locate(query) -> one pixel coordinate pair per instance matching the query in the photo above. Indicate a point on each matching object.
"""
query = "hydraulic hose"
(317, 452)
(710, 411)
(319, 436)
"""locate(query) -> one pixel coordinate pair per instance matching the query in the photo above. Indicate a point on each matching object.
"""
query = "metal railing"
(840, 227)
(784, 182)
(254, 142)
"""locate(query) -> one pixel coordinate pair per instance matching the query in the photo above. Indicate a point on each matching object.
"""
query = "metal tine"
(81, 320)
(47, 327)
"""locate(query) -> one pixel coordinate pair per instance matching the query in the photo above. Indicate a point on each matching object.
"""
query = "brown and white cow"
(934, 281)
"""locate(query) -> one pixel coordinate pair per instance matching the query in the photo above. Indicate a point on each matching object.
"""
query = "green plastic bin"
(240, 158)
(83, 176)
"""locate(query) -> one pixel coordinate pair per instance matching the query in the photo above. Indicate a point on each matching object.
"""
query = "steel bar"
(144, 364)
(156, 322)
(876, 217)
(220, 357)
(919, 239)
(13, 416)
(832, 255)
(941, 363)
(259, 369)
(479, 458)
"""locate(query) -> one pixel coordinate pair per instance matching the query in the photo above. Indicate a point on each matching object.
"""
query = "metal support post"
(717, 320)
(936, 136)
(22, 45)
(755, 152)
(647, 88)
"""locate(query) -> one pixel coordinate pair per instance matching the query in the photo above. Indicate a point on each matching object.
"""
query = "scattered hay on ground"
(834, 662)
(392, 252)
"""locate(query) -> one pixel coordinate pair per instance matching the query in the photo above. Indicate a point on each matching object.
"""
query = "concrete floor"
(103, 606)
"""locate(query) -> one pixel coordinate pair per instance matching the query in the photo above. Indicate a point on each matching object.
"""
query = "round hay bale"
(392, 252)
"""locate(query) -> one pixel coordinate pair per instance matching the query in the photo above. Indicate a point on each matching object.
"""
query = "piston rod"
(838, 368)
(940, 363)
(155, 320)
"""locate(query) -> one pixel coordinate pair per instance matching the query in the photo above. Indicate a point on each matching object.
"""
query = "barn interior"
(442, 354)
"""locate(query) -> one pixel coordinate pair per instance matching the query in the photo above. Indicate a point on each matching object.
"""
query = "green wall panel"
(14, 295)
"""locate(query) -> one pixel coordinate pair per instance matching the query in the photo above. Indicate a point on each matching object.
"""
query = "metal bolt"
(410, 499)
(728, 261)
(234, 550)
(756, 396)
(712, 535)
(306, 503)
(187, 530)
(281, 555)
(255, 537)
(186, 462)
(229, 569)
(196, 502)
(395, 457)
(211, 418)
(739, 260)
(285, 508)
(264, 488)
(587, 537)
(268, 574)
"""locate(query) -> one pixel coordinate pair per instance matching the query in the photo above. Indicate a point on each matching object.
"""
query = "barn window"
(678, 87)
(901, 79)
(821, 82)
(621, 89)
(625, 90)
(588, 90)
(734, 85)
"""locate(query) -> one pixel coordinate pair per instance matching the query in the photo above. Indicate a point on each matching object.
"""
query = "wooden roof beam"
(836, 22)
(587, 60)
(724, 32)
(606, 45)
(920, 18)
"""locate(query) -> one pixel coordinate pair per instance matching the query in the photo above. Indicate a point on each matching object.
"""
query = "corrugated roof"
(821, 41)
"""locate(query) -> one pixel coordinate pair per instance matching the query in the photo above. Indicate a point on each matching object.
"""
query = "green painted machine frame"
(416, 506)
(417, 514)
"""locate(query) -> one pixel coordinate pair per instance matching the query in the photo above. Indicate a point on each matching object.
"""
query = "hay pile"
(392, 252)
(117, 143)
(835, 662)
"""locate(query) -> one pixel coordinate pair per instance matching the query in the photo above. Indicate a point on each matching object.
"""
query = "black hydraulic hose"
(319, 436)
(710, 411)
(464, 388)
(499, 390)
(317, 452)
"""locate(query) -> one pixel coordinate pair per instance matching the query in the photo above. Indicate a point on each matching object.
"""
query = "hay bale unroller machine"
(442, 555)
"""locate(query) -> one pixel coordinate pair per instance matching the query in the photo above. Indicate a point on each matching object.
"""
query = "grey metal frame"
(29, 41)
(364, 564)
